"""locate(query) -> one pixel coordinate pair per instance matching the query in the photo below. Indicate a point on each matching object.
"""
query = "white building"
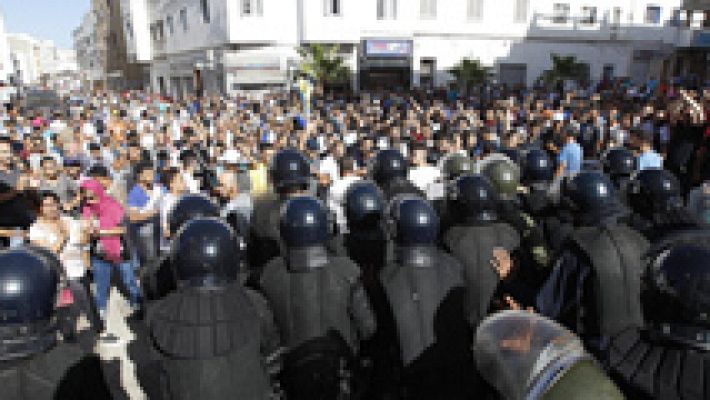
(90, 50)
(35, 62)
(5, 63)
(210, 46)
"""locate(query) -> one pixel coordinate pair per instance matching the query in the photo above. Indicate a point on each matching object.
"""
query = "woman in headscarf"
(109, 250)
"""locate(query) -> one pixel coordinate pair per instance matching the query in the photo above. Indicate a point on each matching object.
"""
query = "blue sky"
(44, 19)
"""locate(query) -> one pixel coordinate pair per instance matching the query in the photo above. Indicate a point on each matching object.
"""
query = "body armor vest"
(615, 253)
(211, 341)
(416, 286)
(473, 247)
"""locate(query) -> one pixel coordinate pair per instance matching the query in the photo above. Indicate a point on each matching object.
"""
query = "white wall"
(5, 62)
(278, 25)
(136, 16)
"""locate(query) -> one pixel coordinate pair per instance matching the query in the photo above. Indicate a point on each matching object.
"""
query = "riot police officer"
(290, 175)
(594, 288)
(533, 256)
(452, 167)
(424, 289)
(389, 171)
(319, 302)
(672, 359)
(456, 165)
(211, 336)
(365, 241)
(659, 213)
(527, 356)
(540, 201)
(619, 164)
(537, 174)
(478, 231)
(34, 362)
(189, 207)
(157, 279)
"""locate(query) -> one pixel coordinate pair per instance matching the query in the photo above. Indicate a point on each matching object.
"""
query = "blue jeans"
(102, 279)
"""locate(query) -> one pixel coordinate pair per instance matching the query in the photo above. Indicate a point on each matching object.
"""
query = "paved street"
(117, 312)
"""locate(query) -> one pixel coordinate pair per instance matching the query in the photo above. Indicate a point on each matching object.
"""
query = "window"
(252, 8)
(589, 15)
(475, 10)
(205, 8)
(159, 27)
(129, 30)
(183, 19)
(616, 16)
(521, 11)
(427, 69)
(653, 15)
(676, 19)
(386, 9)
(608, 72)
(331, 8)
(427, 9)
(171, 25)
(560, 13)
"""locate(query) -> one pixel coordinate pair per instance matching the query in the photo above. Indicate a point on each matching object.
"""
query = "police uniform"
(424, 289)
(320, 306)
(34, 364)
(389, 171)
(290, 174)
(210, 336)
(594, 288)
(670, 359)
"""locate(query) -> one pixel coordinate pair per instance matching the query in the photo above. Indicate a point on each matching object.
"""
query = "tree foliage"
(564, 68)
(469, 73)
(323, 64)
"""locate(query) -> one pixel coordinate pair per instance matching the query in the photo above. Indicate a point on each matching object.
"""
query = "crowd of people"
(497, 243)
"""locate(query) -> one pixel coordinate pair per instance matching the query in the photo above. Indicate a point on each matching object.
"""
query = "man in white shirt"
(329, 164)
(338, 190)
(421, 174)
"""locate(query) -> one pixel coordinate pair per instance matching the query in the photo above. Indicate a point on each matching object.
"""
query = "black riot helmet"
(655, 190)
(189, 207)
(592, 194)
(619, 162)
(680, 293)
(304, 223)
(388, 165)
(537, 167)
(413, 221)
(205, 252)
(364, 206)
(289, 170)
(28, 288)
(473, 198)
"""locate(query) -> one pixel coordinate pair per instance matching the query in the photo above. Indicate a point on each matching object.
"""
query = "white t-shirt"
(329, 166)
(193, 185)
(424, 176)
(72, 255)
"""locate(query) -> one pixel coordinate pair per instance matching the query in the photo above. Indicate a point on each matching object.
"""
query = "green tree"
(469, 73)
(324, 65)
(564, 68)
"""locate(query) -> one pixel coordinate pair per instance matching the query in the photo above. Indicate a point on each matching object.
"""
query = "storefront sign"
(388, 48)
(702, 40)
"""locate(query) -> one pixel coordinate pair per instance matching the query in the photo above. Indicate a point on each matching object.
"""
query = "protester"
(108, 232)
